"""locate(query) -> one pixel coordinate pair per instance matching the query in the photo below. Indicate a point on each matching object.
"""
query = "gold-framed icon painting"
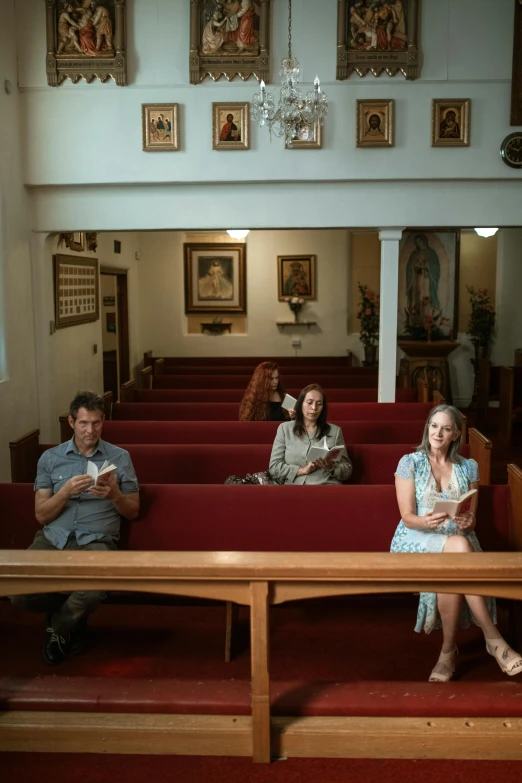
(229, 38)
(296, 277)
(308, 138)
(375, 123)
(378, 37)
(230, 126)
(450, 122)
(76, 290)
(215, 277)
(428, 283)
(160, 125)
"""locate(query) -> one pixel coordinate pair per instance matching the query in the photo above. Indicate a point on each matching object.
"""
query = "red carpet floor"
(50, 768)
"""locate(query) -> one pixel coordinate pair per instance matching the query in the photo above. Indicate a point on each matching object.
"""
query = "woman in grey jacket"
(289, 461)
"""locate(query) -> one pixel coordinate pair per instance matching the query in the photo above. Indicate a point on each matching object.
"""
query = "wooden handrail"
(480, 450)
(145, 378)
(24, 456)
(128, 391)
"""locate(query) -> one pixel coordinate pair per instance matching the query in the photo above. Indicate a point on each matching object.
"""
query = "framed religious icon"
(75, 290)
(229, 38)
(86, 40)
(296, 277)
(428, 284)
(308, 138)
(215, 278)
(160, 127)
(376, 37)
(375, 123)
(230, 126)
(450, 122)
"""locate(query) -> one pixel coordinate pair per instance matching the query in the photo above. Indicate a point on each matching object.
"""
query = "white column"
(390, 239)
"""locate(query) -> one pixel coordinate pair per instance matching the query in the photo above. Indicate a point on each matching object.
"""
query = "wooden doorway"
(115, 309)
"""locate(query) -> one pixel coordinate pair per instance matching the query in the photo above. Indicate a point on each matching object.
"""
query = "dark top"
(276, 412)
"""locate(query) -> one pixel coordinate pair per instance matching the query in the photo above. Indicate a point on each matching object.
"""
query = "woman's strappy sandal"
(448, 661)
(500, 650)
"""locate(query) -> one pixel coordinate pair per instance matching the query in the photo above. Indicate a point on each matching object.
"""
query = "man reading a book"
(77, 514)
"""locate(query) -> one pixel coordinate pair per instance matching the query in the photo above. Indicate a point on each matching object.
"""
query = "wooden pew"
(259, 579)
(129, 393)
(330, 381)
(212, 463)
(250, 361)
(488, 389)
(510, 400)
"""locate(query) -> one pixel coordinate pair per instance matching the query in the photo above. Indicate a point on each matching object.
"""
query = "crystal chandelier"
(295, 116)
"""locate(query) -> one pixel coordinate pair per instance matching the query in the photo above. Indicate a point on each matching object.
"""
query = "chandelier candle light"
(294, 114)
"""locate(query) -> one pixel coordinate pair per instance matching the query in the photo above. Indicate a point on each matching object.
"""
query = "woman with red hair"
(263, 396)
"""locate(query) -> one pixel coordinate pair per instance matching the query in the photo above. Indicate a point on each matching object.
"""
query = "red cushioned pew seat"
(330, 381)
(236, 395)
(122, 432)
(229, 411)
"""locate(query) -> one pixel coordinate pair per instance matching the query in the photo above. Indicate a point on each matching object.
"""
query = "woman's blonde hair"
(455, 445)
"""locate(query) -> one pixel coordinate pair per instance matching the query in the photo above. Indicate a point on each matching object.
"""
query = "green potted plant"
(368, 315)
(481, 324)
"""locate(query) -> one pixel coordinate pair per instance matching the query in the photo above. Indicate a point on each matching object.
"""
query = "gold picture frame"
(230, 126)
(450, 119)
(83, 43)
(215, 277)
(375, 123)
(76, 290)
(312, 141)
(239, 49)
(377, 40)
(296, 277)
(160, 127)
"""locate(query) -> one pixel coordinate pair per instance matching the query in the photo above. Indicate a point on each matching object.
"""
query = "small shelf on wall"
(217, 328)
(284, 324)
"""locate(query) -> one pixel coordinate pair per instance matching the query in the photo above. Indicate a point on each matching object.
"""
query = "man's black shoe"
(55, 649)
(78, 638)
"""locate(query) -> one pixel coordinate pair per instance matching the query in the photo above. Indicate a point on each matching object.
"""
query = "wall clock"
(511, 150)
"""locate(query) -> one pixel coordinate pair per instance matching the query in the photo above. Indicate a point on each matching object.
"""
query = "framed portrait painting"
(377, 37)
(75, 290)
(215, 278)
(375, 123)
(296, 277)
(229, 38)
(86, 40)
(428, 284)
(230, 126)
(308, 138)
(160, 127)
(450, 122)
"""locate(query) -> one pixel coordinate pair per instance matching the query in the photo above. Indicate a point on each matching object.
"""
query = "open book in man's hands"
(466, 502)
(323, 452)
(96, 472)
(289, 402)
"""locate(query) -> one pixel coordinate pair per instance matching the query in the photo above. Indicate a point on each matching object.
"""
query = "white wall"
(18, 382)
(163, 320)
(509, 292)
(66, 360)
(466, 53)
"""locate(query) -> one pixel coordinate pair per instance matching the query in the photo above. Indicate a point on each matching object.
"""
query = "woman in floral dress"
(437, 472)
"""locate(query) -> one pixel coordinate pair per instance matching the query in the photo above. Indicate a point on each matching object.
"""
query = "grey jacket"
(290, 453)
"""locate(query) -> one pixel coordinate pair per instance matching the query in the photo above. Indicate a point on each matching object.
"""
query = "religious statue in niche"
(377, 36)
(228, 38)
(86, 39)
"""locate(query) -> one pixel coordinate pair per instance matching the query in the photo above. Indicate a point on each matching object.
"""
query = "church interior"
(174, 214)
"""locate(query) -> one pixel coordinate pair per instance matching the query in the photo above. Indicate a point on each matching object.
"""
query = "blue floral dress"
(416, 467)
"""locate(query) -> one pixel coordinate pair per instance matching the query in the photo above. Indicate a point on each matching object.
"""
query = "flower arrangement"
(295, 304)
(481, 322)
(368, 315)
(426, 324)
